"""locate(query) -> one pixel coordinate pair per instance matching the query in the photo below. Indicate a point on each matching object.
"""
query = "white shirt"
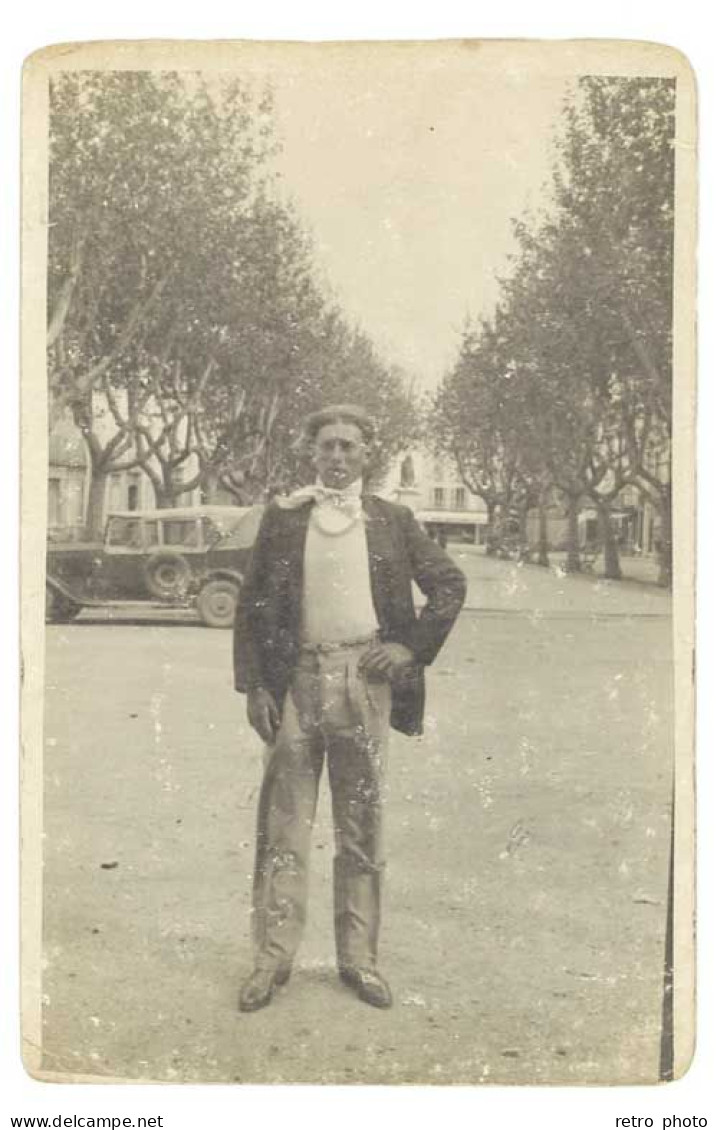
(337, 600)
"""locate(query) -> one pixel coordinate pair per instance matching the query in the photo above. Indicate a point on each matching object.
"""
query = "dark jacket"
(268, 621)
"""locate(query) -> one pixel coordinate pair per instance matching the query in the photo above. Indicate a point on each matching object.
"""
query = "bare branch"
(88, 379)
(64, 298)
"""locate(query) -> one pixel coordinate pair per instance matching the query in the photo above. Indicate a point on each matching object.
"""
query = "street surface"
(528, 839)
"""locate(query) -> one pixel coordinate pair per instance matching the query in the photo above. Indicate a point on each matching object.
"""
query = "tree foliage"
(182, 289)
(569, 383)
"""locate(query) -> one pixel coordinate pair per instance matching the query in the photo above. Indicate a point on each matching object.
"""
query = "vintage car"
(191, 556)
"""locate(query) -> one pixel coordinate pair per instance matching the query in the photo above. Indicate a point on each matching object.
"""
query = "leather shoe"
(368, 985)
(258, 989)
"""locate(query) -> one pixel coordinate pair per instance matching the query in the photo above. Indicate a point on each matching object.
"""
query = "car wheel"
(59, 609)
(167, 575)
(216, 603)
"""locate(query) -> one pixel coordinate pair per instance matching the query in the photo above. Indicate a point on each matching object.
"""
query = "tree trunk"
(612, 551)
(166, 493)
(543, 554)
(96, 504)
(210, 486)
(164, 497)
(238, 491)
(491, 541)
(665, 575)
(523, 532)
(572, 561)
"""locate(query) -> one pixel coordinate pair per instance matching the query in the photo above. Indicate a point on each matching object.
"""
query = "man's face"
(340, 454)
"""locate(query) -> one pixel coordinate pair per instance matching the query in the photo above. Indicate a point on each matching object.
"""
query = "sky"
(407, 171)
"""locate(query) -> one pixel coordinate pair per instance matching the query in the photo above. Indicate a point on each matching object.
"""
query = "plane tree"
(581, 385)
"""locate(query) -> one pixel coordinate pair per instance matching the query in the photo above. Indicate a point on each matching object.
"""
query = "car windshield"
(125, 532)
(181, 532)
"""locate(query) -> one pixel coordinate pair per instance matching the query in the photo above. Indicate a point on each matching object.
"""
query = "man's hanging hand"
(263, 714)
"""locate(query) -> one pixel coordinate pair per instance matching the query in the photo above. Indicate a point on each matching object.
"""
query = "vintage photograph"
(358, 397)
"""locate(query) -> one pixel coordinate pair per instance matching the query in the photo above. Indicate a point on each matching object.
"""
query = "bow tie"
(340, 499)
(346, 501)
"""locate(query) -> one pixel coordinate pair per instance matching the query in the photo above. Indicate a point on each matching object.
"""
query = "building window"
(439, 497)
(116, 491)
(591, 529)
(75, 498)
(133, 496)
(54, 501)
(459, 498)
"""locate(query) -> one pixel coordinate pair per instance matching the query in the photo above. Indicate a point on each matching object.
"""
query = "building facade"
(67, 482)
(432, 488)
(444, 505)
(69, 476)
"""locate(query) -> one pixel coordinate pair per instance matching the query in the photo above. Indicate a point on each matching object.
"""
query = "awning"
(453, 517)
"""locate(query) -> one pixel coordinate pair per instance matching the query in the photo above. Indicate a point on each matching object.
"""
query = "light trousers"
(333, 713)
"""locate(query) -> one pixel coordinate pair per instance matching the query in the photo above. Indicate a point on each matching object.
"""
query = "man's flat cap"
(340, 414)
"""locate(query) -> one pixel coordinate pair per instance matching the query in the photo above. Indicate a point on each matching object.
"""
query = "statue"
(408, 473)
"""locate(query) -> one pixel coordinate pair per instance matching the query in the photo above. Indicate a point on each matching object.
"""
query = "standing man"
(330, 653)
